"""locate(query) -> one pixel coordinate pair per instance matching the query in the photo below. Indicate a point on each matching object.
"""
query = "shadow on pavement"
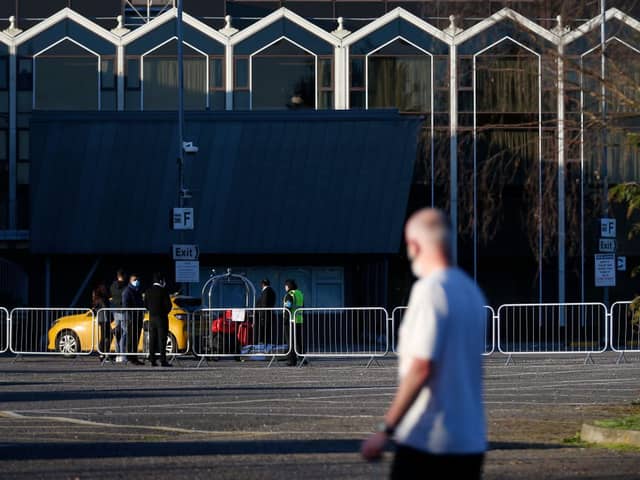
(68, 450)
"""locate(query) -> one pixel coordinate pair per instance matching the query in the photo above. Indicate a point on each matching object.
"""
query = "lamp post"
(603, 108)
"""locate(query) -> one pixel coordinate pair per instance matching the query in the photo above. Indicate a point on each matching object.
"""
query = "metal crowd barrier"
(489, 333)
(4, 330)
(61, 331)
(241, 333)
(124, 333)
(343, 332)
(625, 329)
(552, 328)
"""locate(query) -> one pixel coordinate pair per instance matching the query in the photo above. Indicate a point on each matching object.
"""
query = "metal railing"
(4, 330)
(261, 333)
(552, 328)
(343, 332)
(625, 329)
(268, 334)
(62, 331)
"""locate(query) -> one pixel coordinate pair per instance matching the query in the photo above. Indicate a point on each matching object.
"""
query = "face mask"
(162, 283)
(136, 283)
(416, 270)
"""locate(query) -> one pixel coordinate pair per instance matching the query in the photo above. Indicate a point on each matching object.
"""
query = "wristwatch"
(386, 429)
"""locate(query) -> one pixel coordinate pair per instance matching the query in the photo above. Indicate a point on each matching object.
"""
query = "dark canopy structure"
(261, 183)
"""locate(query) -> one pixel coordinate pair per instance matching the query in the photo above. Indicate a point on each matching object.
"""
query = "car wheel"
(68, 343)
(172, 345)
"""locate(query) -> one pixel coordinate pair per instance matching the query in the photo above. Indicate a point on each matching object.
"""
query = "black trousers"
(158, 332)
(105, 335)
(292, 358)
(134, 327)
(410, 463)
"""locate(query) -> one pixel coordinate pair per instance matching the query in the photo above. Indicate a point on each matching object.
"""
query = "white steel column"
(228, 81)
(561, 172)
(338, 75)
(453, 149)
(13, 137)
(120, 77)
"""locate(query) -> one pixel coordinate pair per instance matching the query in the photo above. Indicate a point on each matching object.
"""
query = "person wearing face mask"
(158, 303)
(437, 416)
(120, 330)
(132, 298)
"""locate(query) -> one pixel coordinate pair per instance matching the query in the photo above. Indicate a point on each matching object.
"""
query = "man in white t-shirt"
(437, 415)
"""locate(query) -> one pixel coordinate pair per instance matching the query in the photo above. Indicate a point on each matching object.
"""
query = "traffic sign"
(608, 227)
(607, 245)
(187, 271)
(605, 269)
(185, 252)
(621, 264)
(183, 219)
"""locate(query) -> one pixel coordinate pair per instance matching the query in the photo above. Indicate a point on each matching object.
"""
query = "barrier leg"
(202, 359)
(273, 359)
(621, 358)
(15, 359)
(509, 360)
(589, 359)
(373, 360)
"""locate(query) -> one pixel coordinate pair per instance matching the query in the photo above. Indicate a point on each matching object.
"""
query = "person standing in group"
(437, 415)
(158, 302)
(132, 298)
(100, 300)
(120, 330)
(264, 319)
(293, 301)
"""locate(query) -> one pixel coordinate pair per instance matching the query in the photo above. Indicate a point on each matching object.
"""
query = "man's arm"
(418, 375)
(408, 391)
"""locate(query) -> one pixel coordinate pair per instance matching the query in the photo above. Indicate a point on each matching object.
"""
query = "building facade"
(512, 143)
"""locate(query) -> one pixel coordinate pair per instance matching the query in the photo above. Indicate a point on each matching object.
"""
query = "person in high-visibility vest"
(293, 301)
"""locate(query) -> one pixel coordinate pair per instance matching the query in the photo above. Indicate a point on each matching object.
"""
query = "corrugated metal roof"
(262, 182)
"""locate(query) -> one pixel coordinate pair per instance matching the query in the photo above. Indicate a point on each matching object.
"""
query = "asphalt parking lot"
(75, 419)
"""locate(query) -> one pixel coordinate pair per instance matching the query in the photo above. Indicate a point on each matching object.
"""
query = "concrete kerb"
(612, 436)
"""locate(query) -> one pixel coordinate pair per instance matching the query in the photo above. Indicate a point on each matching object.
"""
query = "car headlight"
(182, 316)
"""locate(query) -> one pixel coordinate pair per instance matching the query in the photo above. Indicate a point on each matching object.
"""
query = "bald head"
(428, 237)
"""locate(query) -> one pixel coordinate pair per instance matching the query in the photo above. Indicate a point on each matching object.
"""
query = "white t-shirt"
(445, 323)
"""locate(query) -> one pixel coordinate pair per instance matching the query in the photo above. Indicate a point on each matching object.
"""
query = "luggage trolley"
(225, 327)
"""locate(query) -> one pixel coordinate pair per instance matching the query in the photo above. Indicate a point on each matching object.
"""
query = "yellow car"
(72, 334)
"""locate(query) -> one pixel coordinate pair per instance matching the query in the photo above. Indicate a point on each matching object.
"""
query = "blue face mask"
(136, 283)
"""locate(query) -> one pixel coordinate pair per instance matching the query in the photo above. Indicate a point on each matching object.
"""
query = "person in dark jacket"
(100, 300)
(158, 302)
(120, 330)
(262, 330)
(132, 298)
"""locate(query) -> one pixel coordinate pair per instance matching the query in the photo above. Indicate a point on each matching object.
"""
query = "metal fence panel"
(240, 332)
(625, 329)
(124, 332)
(489, 333)
(343, 332)
(552, 328)
(4, 330)
(62, 331)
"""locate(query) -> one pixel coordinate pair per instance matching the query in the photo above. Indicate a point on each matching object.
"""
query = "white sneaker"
(121, 359)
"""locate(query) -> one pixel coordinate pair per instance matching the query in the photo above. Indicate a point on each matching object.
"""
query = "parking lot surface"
(75, 419)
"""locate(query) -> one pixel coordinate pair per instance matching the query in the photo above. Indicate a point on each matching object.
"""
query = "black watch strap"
(386, 429)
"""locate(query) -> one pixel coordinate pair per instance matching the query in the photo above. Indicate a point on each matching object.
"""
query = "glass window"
(216, 74)
(357, 72)
(242, 73)
(160, 78)
(4, 145)
(107, 74)
(399, 76)
(25, 74)
(133, 74)
(22, 173)
(66, 78)
(23, 144)
(4, 73)
(283, 77)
